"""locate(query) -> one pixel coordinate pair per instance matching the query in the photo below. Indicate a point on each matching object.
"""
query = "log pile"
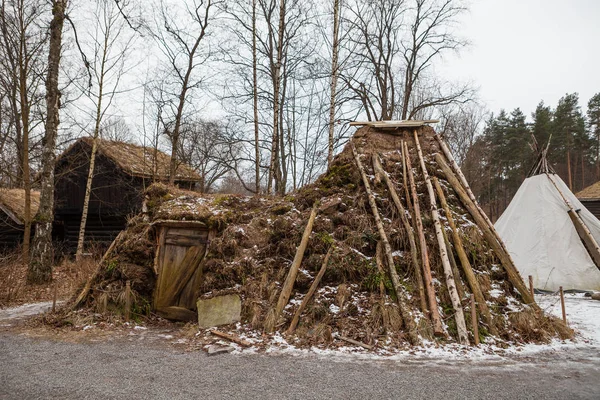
(387, 248)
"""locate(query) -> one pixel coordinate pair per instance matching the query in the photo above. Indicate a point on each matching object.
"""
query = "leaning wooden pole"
(407, 227)
(461, 177)
(434, 313)
(461, 326)
(465, 263)
(88, 285)
(405, 181)
(401, 294)
(582, 229)
(311, 292)
(286, 290)
(513, 275)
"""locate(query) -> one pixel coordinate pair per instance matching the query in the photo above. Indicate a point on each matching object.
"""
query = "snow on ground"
(25, 310)
(583, 315)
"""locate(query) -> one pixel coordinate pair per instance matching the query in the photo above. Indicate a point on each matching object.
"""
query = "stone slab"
(213, 350)
(220, 310)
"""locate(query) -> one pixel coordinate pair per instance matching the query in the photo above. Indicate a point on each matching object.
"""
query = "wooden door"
(181, 250)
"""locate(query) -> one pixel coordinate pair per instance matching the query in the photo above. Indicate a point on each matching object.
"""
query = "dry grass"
(13, 201)
(67, 276)
(532, 326)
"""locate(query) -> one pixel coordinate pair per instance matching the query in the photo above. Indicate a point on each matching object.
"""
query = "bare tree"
(334, 77)
(21, 51)
(390, 60)
(430, 36)
(40, 268)
(180, 41)
(284, 51)
(255, 101)
(374, 43)
(460, 126)
(117, 129)
(107, 69)
(210, 149)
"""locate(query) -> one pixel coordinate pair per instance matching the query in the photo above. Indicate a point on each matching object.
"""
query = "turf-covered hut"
(122, 172)
(386, 248)
(590, 198)
(12, 215)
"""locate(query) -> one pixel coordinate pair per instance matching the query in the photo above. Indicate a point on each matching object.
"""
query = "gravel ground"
(36, 368)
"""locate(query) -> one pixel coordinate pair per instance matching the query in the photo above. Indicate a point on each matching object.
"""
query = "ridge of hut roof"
(12, 203)
(139, 160)
(394, 124)
(591, 192)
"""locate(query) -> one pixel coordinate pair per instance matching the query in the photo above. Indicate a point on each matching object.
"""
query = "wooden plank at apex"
(394, 124)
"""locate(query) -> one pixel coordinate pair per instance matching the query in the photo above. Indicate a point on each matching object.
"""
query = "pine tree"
(593, 114)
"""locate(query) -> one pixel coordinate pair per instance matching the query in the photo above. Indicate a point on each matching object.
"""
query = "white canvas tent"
(542, 237)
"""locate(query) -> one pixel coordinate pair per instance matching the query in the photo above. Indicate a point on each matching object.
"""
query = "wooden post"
(127, 300)
(464, 261)
(401, 295)
(88, 284)
(311, 292)
(405, 182)
(434, 314)
(562, 304)
(507, 263)
(54, 297)
(465, 185)
(474, 320)
(531, 285)
(407, 227)
(286, 290)
(459, 317)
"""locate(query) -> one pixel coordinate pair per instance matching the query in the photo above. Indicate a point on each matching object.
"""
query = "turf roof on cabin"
(591, 192)
(12, 203)
(138, 160)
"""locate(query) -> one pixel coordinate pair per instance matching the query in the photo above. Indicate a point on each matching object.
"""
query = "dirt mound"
(401, 276)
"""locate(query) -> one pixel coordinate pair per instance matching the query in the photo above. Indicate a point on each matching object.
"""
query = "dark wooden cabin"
(122, 172)
(590, 198)
(12, 216)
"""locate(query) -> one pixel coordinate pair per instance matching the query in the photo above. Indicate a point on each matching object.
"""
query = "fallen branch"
(356, 342)
(401, 295)
(434, 313)
(461, 326)
(311, 292)
(231, 338)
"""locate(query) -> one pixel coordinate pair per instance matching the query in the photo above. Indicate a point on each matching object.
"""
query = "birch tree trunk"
(379, 171)
(88, 186)
(40, 268)
(434, 313)
(274, 167)
(461, 326)
(25, 111)
(334, 75)
(255, 98)
(401, 295)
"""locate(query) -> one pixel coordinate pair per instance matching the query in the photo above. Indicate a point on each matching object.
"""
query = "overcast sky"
(524, 51)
